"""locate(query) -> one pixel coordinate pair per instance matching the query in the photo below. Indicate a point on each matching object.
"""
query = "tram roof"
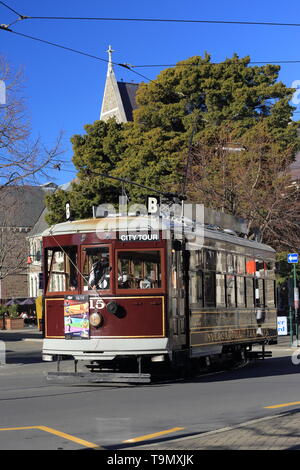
(122, 223)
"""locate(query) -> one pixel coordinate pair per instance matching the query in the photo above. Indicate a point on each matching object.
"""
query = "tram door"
(178, 298)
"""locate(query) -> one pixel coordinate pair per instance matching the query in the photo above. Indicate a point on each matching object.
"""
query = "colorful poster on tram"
(76, 316)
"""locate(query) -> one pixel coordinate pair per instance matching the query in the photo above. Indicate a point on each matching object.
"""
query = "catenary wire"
(153, 20)
(11, 9)
(126, 66)
(130, 66)
(165, 20)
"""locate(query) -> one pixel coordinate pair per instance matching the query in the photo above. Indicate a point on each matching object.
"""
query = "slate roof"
(21, 206)
(41, 224)
(128, 92)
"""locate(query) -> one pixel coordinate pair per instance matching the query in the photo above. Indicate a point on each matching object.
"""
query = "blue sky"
(64, 90)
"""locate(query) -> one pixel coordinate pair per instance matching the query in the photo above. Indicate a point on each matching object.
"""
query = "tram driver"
(99, 269)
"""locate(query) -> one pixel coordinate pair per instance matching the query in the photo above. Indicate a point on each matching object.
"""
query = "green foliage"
(186, 105)
(13, 311)
(285, 270)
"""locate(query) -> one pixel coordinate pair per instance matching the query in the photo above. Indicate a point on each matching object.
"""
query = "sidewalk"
(28, 333)
(280, 432)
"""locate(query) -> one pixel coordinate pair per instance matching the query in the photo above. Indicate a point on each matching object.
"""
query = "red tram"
(116, 297)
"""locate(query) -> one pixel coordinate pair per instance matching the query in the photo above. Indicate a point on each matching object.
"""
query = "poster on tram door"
(76, 316)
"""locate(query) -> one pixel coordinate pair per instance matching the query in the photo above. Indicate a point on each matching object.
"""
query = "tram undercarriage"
(144, 369)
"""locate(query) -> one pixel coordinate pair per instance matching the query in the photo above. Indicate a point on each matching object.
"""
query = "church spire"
(118, 98)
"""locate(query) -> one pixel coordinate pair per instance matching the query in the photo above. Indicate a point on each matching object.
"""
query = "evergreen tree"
(185, 108)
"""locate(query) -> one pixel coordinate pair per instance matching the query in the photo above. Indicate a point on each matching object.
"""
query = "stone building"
(20, 208)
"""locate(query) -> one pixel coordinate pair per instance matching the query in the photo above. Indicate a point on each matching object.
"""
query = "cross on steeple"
(110, 64)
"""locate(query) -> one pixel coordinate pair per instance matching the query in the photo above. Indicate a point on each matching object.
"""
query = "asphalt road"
(37, 414)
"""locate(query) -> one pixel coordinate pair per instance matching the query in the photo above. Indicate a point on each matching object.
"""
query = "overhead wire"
(129, 66)
(70, 49)
(11, 9)
(126, 65)
(161, 20)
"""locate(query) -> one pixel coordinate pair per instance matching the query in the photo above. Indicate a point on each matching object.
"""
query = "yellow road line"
(57, 433)
(152, 436)
(68, 436)
(284, 404)
(19, 428)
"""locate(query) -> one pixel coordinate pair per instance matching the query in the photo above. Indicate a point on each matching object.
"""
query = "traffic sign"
(293, 258)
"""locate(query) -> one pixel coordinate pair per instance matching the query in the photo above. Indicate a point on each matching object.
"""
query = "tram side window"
(62, 269)
(241, 264)
(96, 268)
(270, 293)
(209, 289)
(210, 259)
(220, 291)
(240, 291)
(139, 269)
(221, 262)
(261, 288)
(196, 288)
(230, 290)
(231, 263)
(249, 292)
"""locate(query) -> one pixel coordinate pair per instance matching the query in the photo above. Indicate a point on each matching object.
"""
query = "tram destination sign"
(139, 237)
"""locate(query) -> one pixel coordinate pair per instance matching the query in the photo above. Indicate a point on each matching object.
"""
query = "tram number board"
(139, 237)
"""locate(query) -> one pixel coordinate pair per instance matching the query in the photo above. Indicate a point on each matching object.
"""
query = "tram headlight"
(96, 319)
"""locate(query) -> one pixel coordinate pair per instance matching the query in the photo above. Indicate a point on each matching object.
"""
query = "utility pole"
(293, 258)
(296, 302)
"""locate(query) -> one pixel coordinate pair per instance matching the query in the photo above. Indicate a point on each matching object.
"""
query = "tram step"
(71, 377)
(258, 354)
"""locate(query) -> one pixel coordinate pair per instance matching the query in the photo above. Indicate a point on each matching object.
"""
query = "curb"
(36, 340)
(216, 431)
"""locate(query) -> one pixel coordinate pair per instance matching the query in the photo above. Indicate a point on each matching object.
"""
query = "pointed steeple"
(119, 97)
(112, 105)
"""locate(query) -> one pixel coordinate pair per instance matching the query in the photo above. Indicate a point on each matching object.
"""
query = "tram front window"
(139, 269)
(96, 268)
(62, 269)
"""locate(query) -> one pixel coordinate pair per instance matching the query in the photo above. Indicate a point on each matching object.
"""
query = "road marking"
(57, 433)
(284, 404)
(152, 436)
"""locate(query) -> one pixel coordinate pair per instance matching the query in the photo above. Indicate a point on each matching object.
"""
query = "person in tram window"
(99, 269)
(145, 283)
(73, 284)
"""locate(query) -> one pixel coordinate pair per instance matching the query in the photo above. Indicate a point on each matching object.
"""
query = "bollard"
(2, 353)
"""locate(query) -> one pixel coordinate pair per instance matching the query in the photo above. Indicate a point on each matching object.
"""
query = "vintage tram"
(158, 297)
